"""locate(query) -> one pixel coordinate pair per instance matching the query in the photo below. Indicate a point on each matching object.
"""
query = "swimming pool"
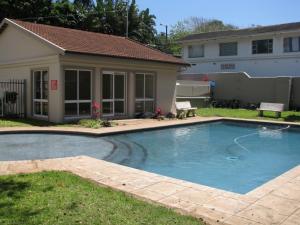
(233, 156)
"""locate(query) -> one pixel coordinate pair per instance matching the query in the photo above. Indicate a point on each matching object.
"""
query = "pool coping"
(275, 202)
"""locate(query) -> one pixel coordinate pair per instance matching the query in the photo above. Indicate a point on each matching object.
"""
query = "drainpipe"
(290, 94)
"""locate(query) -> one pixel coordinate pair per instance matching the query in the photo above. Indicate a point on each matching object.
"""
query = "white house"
(65, 70)
(268, 51)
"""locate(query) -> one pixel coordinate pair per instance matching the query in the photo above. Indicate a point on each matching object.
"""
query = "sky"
(242, 13)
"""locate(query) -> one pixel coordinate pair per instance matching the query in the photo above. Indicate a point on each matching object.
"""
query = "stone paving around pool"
(276, 202)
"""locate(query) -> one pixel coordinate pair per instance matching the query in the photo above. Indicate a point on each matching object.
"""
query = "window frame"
(78, 101)
(144, 99)
(284, 50)
(224, 43)
(113, 99)
(255, 46)
(39, 100)
(193, 57)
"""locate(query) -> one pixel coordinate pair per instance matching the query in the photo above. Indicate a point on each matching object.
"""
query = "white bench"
(184, 109)
(273, 107)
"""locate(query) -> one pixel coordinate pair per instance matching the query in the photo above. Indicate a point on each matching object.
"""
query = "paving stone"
(196, 196)
(212, 216)
(178, 203)
(226, 205)
(151, 195)
(165, 188)
(279, 204)
(262, 215)
(288, 191)
(294, 219)
(236, 220)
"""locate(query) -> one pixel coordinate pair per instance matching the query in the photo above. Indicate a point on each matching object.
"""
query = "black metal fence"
(13, 98)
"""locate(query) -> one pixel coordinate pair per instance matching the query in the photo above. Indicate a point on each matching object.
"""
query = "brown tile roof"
(77, 41)
(243, 32)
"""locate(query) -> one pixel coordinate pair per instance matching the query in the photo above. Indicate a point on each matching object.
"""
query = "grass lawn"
(23, 123)
(63, 198)
(289, 116)
(88, 123)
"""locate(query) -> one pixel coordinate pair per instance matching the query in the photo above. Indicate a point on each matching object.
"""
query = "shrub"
(108, 123)
(90, 123)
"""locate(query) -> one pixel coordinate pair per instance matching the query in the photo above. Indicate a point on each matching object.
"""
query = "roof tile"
(84, 42)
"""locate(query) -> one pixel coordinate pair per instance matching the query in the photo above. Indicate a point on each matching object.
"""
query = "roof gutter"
(127, 57)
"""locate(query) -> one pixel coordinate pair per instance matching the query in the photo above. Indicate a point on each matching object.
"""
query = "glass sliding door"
(78, 97)
(144, 92)
(113, 93)
(40, 93)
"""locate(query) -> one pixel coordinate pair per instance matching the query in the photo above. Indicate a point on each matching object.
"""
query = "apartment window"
(195, 51)
(262, 46)
(144, 92)
(228, 49)
(40, 93)
(291, 44)
(77, 93)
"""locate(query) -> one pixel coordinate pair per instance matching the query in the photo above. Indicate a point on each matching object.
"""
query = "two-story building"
(267, 51)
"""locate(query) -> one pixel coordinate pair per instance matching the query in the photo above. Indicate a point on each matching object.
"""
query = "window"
(228, 49)
(144, 92)
(77, 93)
(40, 93)
(195, 51)
(291, 44)
(262, 46)
(113, 93)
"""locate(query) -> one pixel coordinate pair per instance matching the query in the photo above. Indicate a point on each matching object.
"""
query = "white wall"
(16, 44)
(23, 71)
(278, 63)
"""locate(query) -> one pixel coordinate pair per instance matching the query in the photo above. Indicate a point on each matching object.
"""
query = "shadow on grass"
(29, 122)
(13, 189)
(33, 122)
(10, 194)
(292, 118)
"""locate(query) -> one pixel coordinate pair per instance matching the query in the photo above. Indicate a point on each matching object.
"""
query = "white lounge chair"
(273, 107)
(184, 109)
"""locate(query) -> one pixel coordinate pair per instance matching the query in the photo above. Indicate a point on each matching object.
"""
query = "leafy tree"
(63, 14)
(25, 9)
(146, 28)
(87, 4)
(106, 16)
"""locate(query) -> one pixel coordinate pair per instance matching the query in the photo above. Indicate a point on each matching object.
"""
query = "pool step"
(127, 153)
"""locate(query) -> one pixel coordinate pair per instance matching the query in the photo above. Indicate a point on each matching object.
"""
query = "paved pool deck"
(275, 202)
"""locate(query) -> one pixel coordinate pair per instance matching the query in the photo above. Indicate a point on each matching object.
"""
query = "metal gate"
(13, 98)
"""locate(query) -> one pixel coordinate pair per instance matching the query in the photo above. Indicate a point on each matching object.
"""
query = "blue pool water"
(232, 156)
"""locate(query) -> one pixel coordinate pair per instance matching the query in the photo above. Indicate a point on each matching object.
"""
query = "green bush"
(90, 123)
(96, 123)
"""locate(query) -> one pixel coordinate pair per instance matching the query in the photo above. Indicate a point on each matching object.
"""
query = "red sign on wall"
(54, 85)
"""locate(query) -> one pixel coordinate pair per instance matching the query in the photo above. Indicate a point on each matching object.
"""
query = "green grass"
(289, 116)
(63, 198)
(88, 123)
(23, 123)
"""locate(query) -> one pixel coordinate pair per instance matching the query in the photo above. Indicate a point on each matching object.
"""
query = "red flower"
(95, 105)
(158, 111)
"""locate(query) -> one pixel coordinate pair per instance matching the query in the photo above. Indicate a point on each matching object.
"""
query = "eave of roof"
(123, 57)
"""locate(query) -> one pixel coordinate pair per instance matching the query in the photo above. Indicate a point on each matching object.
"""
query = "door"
(113, 93)
(40, 93)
